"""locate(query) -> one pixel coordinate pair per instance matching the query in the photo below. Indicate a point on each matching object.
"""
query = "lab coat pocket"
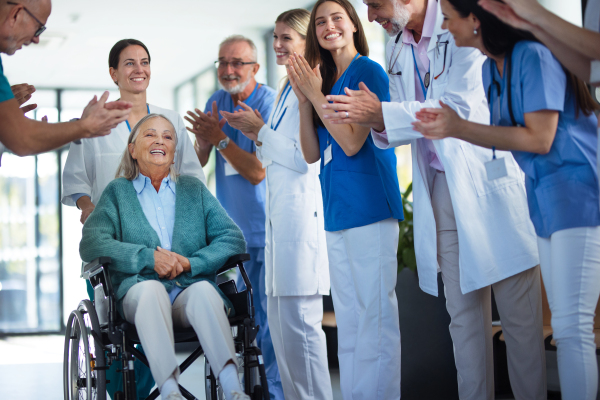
(476, 157)
(295, 219)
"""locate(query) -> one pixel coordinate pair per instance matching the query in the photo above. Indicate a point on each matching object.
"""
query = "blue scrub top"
(362, 189)
(243, 201)
(5, 92)
(562, 186)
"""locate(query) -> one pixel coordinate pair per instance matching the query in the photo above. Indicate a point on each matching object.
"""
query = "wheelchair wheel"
(83, 353)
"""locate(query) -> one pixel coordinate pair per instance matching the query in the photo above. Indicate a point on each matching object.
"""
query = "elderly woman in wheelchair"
(166, 236)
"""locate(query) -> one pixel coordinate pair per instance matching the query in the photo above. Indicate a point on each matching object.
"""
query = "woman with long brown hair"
(361, 197)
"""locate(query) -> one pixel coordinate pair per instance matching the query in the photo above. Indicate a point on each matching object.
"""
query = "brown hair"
(297, 19)
(315, 54)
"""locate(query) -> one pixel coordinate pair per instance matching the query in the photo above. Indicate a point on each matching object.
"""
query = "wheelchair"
(96, 336)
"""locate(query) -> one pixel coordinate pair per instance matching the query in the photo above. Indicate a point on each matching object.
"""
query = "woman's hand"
(184, 261)
(86, 206)
(248, 121)
(308, 80)
(301, 97)
(166, 264)
(516, 13)
(437, 123)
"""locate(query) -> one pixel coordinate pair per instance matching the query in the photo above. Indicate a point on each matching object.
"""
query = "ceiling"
(182, 36)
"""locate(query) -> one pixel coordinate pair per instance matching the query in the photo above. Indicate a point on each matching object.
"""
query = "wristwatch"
(222, 144)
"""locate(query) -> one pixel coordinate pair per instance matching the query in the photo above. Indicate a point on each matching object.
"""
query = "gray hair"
(239, 38)
(129, 168)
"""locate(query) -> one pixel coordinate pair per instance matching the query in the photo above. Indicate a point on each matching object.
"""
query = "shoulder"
(190, 183)
(365, 68)
(118, 184)
(115, 190)
(267, 93)
(532, 53)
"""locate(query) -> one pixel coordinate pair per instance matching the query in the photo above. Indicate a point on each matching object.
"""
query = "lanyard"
(129, 127)
(341, 88)
(286, 91)
(424, 86)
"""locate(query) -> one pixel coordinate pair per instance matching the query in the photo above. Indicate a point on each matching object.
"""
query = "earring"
(475, 32)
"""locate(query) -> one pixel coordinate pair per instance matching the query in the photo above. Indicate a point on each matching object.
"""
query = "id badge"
(496, 169)
(328, 156)
(229, 170)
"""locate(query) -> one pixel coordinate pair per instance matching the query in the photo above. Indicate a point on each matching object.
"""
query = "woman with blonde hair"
(297, 273)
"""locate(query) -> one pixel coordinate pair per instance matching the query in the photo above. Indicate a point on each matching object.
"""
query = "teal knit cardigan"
(118, 228)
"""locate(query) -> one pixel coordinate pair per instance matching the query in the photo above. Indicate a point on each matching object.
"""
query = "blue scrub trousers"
(255, 268)
(143, 377)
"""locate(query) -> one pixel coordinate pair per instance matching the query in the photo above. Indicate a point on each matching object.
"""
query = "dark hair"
(315, 54)
(117, 49)
(500, 38)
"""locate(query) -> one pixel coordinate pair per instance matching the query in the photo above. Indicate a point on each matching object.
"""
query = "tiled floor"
(31, 369)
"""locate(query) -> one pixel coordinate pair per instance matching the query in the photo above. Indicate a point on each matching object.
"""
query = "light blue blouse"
(159, 209)
(562, 186)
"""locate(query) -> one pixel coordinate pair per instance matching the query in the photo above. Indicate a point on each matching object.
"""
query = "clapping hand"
(437, 123)
(305, 78)
(22, 93)
(206, 127)
(248, 121)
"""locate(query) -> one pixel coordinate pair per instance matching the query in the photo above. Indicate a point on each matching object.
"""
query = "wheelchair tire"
(82, 353)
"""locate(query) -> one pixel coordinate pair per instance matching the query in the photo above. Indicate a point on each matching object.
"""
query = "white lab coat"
(296, 261)
(495, 234)
(92, 164)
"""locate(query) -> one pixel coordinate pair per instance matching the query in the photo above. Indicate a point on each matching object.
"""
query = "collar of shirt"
(142, 182)
(428, 25)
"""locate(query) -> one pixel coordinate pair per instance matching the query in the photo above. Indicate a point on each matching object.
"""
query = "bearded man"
(239, 174)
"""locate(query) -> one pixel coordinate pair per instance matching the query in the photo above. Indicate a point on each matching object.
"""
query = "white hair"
(239, 38)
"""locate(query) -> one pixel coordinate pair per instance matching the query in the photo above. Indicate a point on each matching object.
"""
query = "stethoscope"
(399, 73)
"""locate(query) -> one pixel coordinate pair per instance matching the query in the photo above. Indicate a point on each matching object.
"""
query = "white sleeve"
(187, 162)
(282, 149)
(463, 92)
(79, 172)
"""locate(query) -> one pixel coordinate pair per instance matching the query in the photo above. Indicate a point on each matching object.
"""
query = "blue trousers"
(143, 377)
(255, 268)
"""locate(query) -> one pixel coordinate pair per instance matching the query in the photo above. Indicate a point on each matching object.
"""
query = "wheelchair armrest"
(233, 262)
(93, 266)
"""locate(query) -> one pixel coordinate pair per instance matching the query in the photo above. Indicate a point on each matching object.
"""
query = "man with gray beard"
(471, 226)
(239, 174)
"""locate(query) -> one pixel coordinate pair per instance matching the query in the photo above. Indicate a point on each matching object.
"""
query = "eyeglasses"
(234, 64)
(42, 27)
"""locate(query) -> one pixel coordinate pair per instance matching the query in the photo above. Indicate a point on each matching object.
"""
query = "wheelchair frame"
(96, 336)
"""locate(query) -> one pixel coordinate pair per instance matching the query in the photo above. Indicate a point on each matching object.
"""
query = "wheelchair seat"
(97, 336)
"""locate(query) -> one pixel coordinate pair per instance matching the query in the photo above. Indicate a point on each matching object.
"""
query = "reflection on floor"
(31, 369)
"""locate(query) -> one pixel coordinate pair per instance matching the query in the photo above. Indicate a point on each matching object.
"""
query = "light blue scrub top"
(562, 186)
(159, 209)
(362, 189)
(243, 201)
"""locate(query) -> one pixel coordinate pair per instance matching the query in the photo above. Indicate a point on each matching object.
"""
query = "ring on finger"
(347, 115)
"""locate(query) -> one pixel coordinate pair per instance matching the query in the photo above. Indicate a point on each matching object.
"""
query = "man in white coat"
(476, 231)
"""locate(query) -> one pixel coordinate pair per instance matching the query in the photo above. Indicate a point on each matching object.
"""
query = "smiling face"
(286, 41)
(234, 80)
(20, 27)
(154, 146)
(334, 28)
(392, 15)
(462, 28)
(133, 71)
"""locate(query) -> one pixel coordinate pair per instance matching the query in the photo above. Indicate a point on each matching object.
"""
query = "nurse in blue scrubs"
(546, 117)
(361, 199)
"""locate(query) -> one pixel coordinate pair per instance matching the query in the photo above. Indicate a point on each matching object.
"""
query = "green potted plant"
(406, 243)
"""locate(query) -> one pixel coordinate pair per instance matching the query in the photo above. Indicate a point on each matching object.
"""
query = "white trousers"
(300, 347)
(520, 308)
(200, 306)
(570, 261)
(364, 270)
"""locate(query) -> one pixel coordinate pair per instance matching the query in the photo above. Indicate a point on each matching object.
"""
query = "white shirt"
(92, 165)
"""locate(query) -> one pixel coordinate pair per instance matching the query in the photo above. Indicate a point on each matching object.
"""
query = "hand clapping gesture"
(249, 122)
(437, 123)
(303, 78)
(206, 127)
